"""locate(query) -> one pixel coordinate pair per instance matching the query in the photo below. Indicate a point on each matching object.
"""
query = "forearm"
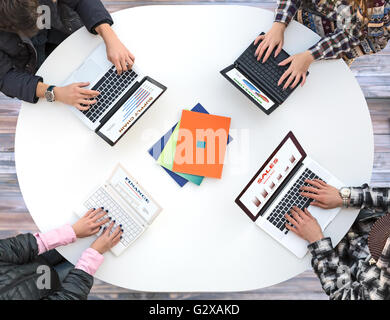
(334, 46)
(370, 198)
(18, 250)
(106, 32)
(286, 10)
(41, 89)
(91, 12)
(55, 238)
(21, 85)
(90, 261)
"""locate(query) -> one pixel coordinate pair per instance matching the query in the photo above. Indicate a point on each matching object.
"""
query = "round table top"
(201, 241)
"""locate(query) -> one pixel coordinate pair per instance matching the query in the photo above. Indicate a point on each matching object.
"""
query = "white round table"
(201, 241)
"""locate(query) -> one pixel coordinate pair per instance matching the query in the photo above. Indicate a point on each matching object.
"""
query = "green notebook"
(167, 157)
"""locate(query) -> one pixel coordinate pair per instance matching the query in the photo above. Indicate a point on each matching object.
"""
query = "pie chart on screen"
(255, 90)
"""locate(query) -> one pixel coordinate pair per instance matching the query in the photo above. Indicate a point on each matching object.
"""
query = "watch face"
(345, 192)
(49, 95)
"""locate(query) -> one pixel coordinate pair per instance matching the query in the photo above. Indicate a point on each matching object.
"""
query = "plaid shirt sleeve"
(370, 198)
(335, 276)
(286, 10)
(334, 46)
(355, 40)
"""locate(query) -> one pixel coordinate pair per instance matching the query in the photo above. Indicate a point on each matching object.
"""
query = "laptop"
(127, 202)
(275, 189)
(123, 98)
(259, 81)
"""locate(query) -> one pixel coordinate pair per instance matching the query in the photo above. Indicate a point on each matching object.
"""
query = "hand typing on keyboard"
(117, 53)
(324, 195)
(109, 238)
(90, 223)
(273, 39)
(298, 64)
(304, 225)
(76, 95)
(297, 71)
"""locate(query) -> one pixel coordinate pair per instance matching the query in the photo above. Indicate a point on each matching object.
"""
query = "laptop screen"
(249, 88)
(134, 194)
(130, 111)
(265, 184)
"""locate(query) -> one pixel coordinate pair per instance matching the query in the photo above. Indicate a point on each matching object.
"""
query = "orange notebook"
(201, 145)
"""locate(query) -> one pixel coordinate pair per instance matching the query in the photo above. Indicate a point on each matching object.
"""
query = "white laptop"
(123, 98)
(274, 190)
(127, 202)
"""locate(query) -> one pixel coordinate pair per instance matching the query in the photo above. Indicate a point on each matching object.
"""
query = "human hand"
(106, 241)
(75, 95)
(274, 38)
(300, 63)
(324, 195)
(304, 225)
(119, 55)
(89, 225)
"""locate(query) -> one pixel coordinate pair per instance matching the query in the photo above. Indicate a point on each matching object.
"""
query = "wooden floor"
(373, 74)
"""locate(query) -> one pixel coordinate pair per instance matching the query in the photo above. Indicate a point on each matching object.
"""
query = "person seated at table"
(354, 269)
(29, 32)
(348, 29)
(30, 268)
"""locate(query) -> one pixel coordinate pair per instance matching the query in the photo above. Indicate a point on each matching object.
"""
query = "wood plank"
(382, 143)
(7, 141)
(380, 115)
(7, 162)
(8, 124)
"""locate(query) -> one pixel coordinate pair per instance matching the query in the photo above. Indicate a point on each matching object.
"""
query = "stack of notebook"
(194, 148)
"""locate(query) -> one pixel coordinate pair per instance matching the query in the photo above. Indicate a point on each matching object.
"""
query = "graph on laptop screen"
(271, 177)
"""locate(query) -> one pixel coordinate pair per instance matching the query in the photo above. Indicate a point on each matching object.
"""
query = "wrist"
(41, 89)
(316, 238)
(309, 56)
(106, 32)
(75, 230)
(57, 93)
(280, 25)
(345, 195)
(96, 248)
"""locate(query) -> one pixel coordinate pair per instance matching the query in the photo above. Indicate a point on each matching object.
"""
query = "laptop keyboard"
(110, 86)
(268, 73)
(131, 229)
(290, 199)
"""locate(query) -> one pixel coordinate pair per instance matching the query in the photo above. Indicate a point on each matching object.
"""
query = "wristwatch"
(345, 194)
(49, 94)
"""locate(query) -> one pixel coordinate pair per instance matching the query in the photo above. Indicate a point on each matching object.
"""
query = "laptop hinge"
(263, 85)
(119, 104)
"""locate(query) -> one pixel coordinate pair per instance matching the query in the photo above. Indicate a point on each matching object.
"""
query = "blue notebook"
(158, 147)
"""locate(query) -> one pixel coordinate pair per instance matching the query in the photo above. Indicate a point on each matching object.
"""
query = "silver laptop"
(127, 202)
(275, 189)
(123, 98)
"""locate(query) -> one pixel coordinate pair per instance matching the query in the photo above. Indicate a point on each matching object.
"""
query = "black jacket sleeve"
(91, 12)
(17, 84)
(76, 286)
(19, 250)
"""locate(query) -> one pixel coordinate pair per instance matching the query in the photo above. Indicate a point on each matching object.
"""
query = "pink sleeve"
(90, 261)
(55, 238)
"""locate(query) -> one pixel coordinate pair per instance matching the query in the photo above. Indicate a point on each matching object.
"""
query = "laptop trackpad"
(88, 72)
(324, 217)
